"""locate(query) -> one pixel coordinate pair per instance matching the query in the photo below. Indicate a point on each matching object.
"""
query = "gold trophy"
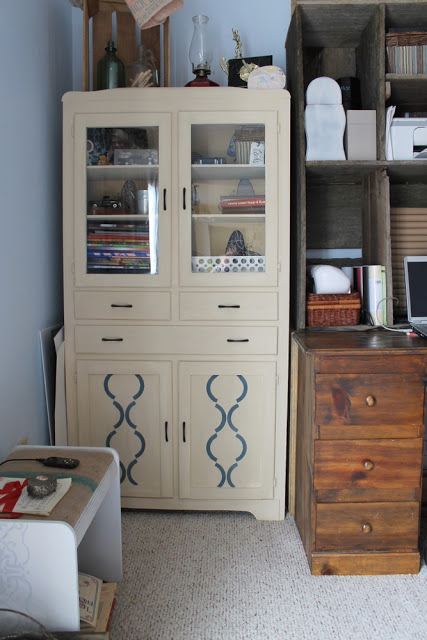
(244, 68)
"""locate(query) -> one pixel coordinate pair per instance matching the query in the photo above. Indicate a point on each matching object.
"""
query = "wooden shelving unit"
(346, 205)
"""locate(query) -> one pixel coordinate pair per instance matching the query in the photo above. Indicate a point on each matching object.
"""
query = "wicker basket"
(333, 310)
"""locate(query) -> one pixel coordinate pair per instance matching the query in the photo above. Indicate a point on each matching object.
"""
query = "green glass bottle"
(110, 70)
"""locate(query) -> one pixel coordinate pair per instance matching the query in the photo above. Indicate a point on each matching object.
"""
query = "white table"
(40, 557)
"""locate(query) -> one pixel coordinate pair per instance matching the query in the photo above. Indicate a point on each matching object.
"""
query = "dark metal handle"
(229, 306)
(184, 191)
(164, 199)
(122, 306)
(166, 432)
(183, 432)
(112, 339)
(233, 340)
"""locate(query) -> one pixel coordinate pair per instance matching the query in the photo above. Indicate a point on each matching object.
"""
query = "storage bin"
(333, 310)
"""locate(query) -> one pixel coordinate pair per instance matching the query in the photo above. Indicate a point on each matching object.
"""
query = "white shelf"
(121, 171)
(226, 171)
(221, 217)
(118, 217)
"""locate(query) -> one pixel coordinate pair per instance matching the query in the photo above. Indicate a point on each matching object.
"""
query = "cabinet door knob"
(368, 465)
(366, 528)
(370, 401)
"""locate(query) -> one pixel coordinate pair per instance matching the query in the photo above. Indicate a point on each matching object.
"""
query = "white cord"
(407, 331)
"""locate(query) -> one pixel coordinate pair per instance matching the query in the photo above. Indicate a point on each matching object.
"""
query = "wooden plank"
(364, 564)
(293, 426)
(126, 37)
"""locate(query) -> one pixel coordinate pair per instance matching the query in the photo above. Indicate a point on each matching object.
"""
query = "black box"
(235, 64)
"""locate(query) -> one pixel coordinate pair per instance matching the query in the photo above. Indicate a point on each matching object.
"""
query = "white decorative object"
(329, 279)
(270, 77)
(324, 120)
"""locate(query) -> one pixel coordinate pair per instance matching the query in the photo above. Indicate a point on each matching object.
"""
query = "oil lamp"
(200, 54)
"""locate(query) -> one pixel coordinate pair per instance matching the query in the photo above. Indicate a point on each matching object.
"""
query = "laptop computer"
(415, 268)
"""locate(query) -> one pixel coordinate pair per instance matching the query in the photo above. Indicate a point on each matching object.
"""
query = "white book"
(373, 302)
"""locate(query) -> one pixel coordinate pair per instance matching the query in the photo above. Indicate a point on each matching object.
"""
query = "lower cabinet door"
(128, 406)
(227, 430)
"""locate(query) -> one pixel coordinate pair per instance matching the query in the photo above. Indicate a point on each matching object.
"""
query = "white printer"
(409, 138)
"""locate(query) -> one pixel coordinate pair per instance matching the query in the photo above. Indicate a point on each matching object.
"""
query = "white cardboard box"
(361, 135)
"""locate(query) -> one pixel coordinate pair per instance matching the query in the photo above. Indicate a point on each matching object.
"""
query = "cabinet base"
(261, 509)
(360, 564)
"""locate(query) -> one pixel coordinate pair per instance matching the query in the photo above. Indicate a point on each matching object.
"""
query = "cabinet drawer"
(122, 305)
(394, 403)
(365, 464)
(176, 340)
(364, 527)
(228, 306)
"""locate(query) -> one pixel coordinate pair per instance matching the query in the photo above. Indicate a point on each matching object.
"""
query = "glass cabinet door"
(122, 180)
(228, 217)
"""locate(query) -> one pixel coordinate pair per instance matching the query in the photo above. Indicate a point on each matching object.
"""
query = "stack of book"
(96, 601)
(370, 281)
(117, 247)
(407, 52)
(242, 204)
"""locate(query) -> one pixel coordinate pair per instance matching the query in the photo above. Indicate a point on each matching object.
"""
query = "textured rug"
(227, 576)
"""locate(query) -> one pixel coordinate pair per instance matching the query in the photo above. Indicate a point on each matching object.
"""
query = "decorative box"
(333, 310)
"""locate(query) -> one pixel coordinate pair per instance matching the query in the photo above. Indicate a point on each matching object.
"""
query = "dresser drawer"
(382, 405)
(122, 305)
(228, 306)
(365, 464)
(381, 526)
(176, 340)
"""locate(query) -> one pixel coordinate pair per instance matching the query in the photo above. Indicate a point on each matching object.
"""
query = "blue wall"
(36, 54)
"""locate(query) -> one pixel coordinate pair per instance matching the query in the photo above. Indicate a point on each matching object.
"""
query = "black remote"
(62, 463)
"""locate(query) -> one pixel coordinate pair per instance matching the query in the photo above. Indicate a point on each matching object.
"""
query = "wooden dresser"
(358, 440)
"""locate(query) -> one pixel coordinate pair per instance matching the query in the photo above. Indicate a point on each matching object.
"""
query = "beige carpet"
(227, 576)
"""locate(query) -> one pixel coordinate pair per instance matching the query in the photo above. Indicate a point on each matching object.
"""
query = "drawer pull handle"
(368, 465)
(166, 432)
(184, 191)
(122, 306)
(236, 340)
(183, 432)
(370, 401)
(229, 306)
(164, 200)
(366, 528)
(112, 339)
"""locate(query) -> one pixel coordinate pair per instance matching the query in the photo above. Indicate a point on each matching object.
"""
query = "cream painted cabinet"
(176, 291)
(128, 406)
(227, 430)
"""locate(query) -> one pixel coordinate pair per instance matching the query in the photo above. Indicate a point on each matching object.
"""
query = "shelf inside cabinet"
(120, 172)
(226, 218)
(226, 171)
(118, 217)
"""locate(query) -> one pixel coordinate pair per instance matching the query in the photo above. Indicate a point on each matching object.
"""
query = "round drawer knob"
(366, 528)
(370, 401)
(368, 465)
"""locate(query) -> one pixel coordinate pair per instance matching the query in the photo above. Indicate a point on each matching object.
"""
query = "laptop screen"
(416, 287)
